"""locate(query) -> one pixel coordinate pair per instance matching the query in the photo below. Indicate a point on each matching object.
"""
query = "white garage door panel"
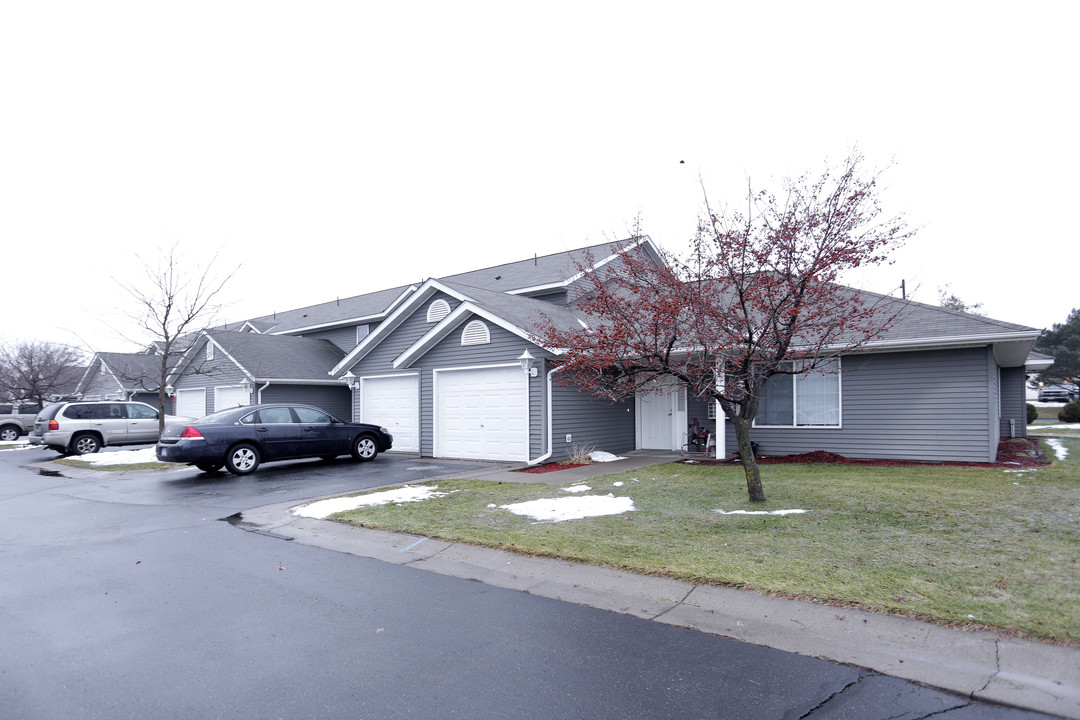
(482, 414)
(191, 403)
(230, 397)
(393, 403)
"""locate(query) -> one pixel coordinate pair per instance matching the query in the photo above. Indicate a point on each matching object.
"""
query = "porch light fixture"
(246, 385)
(527, 361)
(350, 380)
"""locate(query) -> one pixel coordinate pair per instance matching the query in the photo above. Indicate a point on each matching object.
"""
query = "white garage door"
(230, 397)
(393, 403)
(481, 414)
(191, 403)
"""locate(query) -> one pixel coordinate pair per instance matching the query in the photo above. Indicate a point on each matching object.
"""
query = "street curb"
(981, 665)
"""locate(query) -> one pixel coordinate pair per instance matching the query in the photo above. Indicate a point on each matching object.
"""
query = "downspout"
(259, 391)
(551, 445)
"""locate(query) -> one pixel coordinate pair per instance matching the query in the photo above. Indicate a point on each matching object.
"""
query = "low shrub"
(1032, 413)
(1070, 413)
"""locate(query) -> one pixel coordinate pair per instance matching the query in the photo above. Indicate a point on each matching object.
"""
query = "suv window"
(29, 409)
(50, 412)
(142, 412)
(5, 410)
(82, 412)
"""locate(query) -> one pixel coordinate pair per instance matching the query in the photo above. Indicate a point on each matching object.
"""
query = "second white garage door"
(481, 414)
(191, 403)
(393, 403)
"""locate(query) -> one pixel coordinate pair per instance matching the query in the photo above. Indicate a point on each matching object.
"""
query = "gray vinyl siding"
(937, 406)
(344, 338)
(102, 385)
(505, 348)
(334, 399)
(592, 423)
(221, 371)
(1013, 403)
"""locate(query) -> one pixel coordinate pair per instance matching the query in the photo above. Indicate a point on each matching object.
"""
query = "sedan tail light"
(190, 432)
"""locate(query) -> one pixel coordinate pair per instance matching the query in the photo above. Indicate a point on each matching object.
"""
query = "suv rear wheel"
(9, 433)
(85, 444)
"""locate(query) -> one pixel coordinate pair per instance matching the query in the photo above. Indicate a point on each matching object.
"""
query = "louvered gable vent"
(438, 310)
(475, 333)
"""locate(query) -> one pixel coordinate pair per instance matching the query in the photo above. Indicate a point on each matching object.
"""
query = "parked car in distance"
(1057, 393)
(240, 439)
(87, 426)
(17, 419)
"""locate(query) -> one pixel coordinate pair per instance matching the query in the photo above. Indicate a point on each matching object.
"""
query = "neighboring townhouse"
(223, 369)
(122, 376)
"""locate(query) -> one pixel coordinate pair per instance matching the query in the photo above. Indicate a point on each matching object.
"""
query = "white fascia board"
(86, 373)
(448, 324)
(596, 266)
(391, 323)
(951, 341)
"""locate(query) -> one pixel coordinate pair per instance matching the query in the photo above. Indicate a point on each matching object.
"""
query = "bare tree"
(38, 371)
(174, 303)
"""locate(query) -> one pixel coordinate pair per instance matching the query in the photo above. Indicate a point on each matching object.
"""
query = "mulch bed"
(550, 467)
(1021, 452)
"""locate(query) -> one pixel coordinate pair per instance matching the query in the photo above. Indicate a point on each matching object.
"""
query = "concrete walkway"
(981, 665)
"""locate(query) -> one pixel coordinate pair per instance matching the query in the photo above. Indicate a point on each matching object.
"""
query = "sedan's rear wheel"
(364, 448)
(242, 459)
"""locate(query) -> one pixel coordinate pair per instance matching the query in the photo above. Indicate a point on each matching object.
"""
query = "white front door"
(658, 415)
(393, 403)
(481, 414)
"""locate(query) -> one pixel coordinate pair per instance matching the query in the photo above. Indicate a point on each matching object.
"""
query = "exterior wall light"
(527, 361)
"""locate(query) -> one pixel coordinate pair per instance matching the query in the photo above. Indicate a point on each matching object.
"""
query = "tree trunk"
(749, 461)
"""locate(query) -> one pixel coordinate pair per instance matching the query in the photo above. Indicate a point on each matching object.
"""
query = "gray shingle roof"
(134, 370)
(280, 357)
(336, 312)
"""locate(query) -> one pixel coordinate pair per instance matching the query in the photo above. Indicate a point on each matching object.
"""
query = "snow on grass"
(573, 508)
(1058, 447)
(577, 488)
(760, 512)
(410, 493)
(120, 457)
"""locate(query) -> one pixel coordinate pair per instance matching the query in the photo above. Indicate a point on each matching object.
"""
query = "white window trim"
(795, 405)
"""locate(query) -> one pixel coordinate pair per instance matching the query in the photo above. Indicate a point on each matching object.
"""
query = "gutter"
(551, 444)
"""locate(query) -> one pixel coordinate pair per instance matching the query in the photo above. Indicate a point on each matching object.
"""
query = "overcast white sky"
(335, 148)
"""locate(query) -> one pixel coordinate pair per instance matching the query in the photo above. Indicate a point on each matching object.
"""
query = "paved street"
(129, 595)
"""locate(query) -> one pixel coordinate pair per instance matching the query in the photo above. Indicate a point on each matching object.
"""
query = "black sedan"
(241, 438)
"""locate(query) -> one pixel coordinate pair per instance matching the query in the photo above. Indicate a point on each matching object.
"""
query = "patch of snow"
(120, 457)
(1058, 447)
(618, 483)
(760, 512)
(19, 446)
(1055, 426)
(601, 456)
(577, 488)
(573, 508)
(324, 508)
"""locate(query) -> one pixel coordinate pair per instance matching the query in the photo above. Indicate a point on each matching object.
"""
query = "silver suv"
(17, 419)
(86, 427)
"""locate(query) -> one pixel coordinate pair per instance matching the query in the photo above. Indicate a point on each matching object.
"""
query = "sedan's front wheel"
(242, 459)
(364, 448)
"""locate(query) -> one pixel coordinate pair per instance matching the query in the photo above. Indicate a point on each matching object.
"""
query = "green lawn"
(962, 546)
